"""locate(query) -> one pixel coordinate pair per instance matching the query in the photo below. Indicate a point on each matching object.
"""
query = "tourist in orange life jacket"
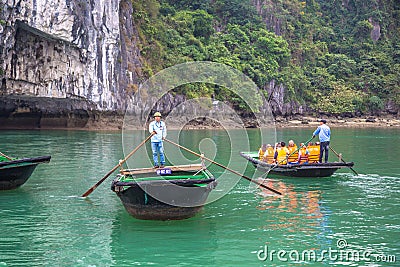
(293, 153)
(303, 154)
(313, 156)
(281, 153)
(269, 154)
(262, 151)
(277, 147)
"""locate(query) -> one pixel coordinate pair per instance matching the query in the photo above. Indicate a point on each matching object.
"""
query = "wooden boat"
(15, 172)
(297, 170)
(169, 193)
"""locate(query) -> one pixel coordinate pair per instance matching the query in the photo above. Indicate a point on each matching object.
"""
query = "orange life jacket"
(303, 155)
(261, 153)
(282, 153)
(313, 157)
(269, 155)
(293, 157)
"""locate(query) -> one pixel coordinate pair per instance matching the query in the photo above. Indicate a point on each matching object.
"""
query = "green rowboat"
(15, 172)
(169, 193)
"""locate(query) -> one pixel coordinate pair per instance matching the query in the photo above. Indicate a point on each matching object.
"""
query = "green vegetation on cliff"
(333, 56)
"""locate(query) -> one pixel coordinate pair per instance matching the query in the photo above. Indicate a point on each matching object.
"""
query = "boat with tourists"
(15, 172)
(168, 193)
(314, 169)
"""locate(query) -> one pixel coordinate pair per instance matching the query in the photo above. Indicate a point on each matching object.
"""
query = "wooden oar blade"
(269, 188)
(89, 191)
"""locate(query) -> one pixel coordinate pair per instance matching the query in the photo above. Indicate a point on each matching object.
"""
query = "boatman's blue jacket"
(324, 133)
(160, 129)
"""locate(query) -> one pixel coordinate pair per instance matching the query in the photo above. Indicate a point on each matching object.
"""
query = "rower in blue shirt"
(159, 129)
(324, 134)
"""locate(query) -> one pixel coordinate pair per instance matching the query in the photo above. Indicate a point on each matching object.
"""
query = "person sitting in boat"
(159, 131)
(276, 147)
(313, 156)
(293, 153)
(281, 153)
(269, 154)
(303, 154)
(262, 151)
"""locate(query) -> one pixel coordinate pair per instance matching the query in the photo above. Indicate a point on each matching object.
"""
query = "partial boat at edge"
(14, 173)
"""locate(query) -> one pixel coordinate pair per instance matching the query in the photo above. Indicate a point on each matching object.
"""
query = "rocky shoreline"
(361, 122)
(26, 112)
(115, 123)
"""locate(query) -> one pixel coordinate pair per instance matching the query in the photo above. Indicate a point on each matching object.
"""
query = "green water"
(46, 223)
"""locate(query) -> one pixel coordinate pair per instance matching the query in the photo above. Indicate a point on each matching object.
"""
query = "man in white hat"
(159, 129)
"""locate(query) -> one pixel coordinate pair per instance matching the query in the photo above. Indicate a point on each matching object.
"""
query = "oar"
(308, 141)
(342, 159)
(7, 157)
(222, 166)
(116, 167)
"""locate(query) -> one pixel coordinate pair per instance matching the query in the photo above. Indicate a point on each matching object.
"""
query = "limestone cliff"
(63, 49)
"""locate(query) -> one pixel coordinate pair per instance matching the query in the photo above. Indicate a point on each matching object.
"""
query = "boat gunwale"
(164, 182)
(189, 167)
(192, 178)
(25, 161)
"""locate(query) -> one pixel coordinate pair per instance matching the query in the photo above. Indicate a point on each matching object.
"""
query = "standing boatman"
(324, 134)
(159, 131)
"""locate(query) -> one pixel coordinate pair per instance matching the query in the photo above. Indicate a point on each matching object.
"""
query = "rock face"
(26, 112)
(62, 61)
(277, 102)
(63, 49)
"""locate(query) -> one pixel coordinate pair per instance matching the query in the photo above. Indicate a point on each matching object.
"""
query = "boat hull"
(159, 199)
(15, 173)
(148, 203)
(298, 170)
(11, 178)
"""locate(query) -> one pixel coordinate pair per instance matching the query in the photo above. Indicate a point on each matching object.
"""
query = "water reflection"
(298, 210)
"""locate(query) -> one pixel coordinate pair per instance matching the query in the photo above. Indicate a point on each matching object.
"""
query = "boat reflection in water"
(298, 218)
(294, 211)
(291, 200)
